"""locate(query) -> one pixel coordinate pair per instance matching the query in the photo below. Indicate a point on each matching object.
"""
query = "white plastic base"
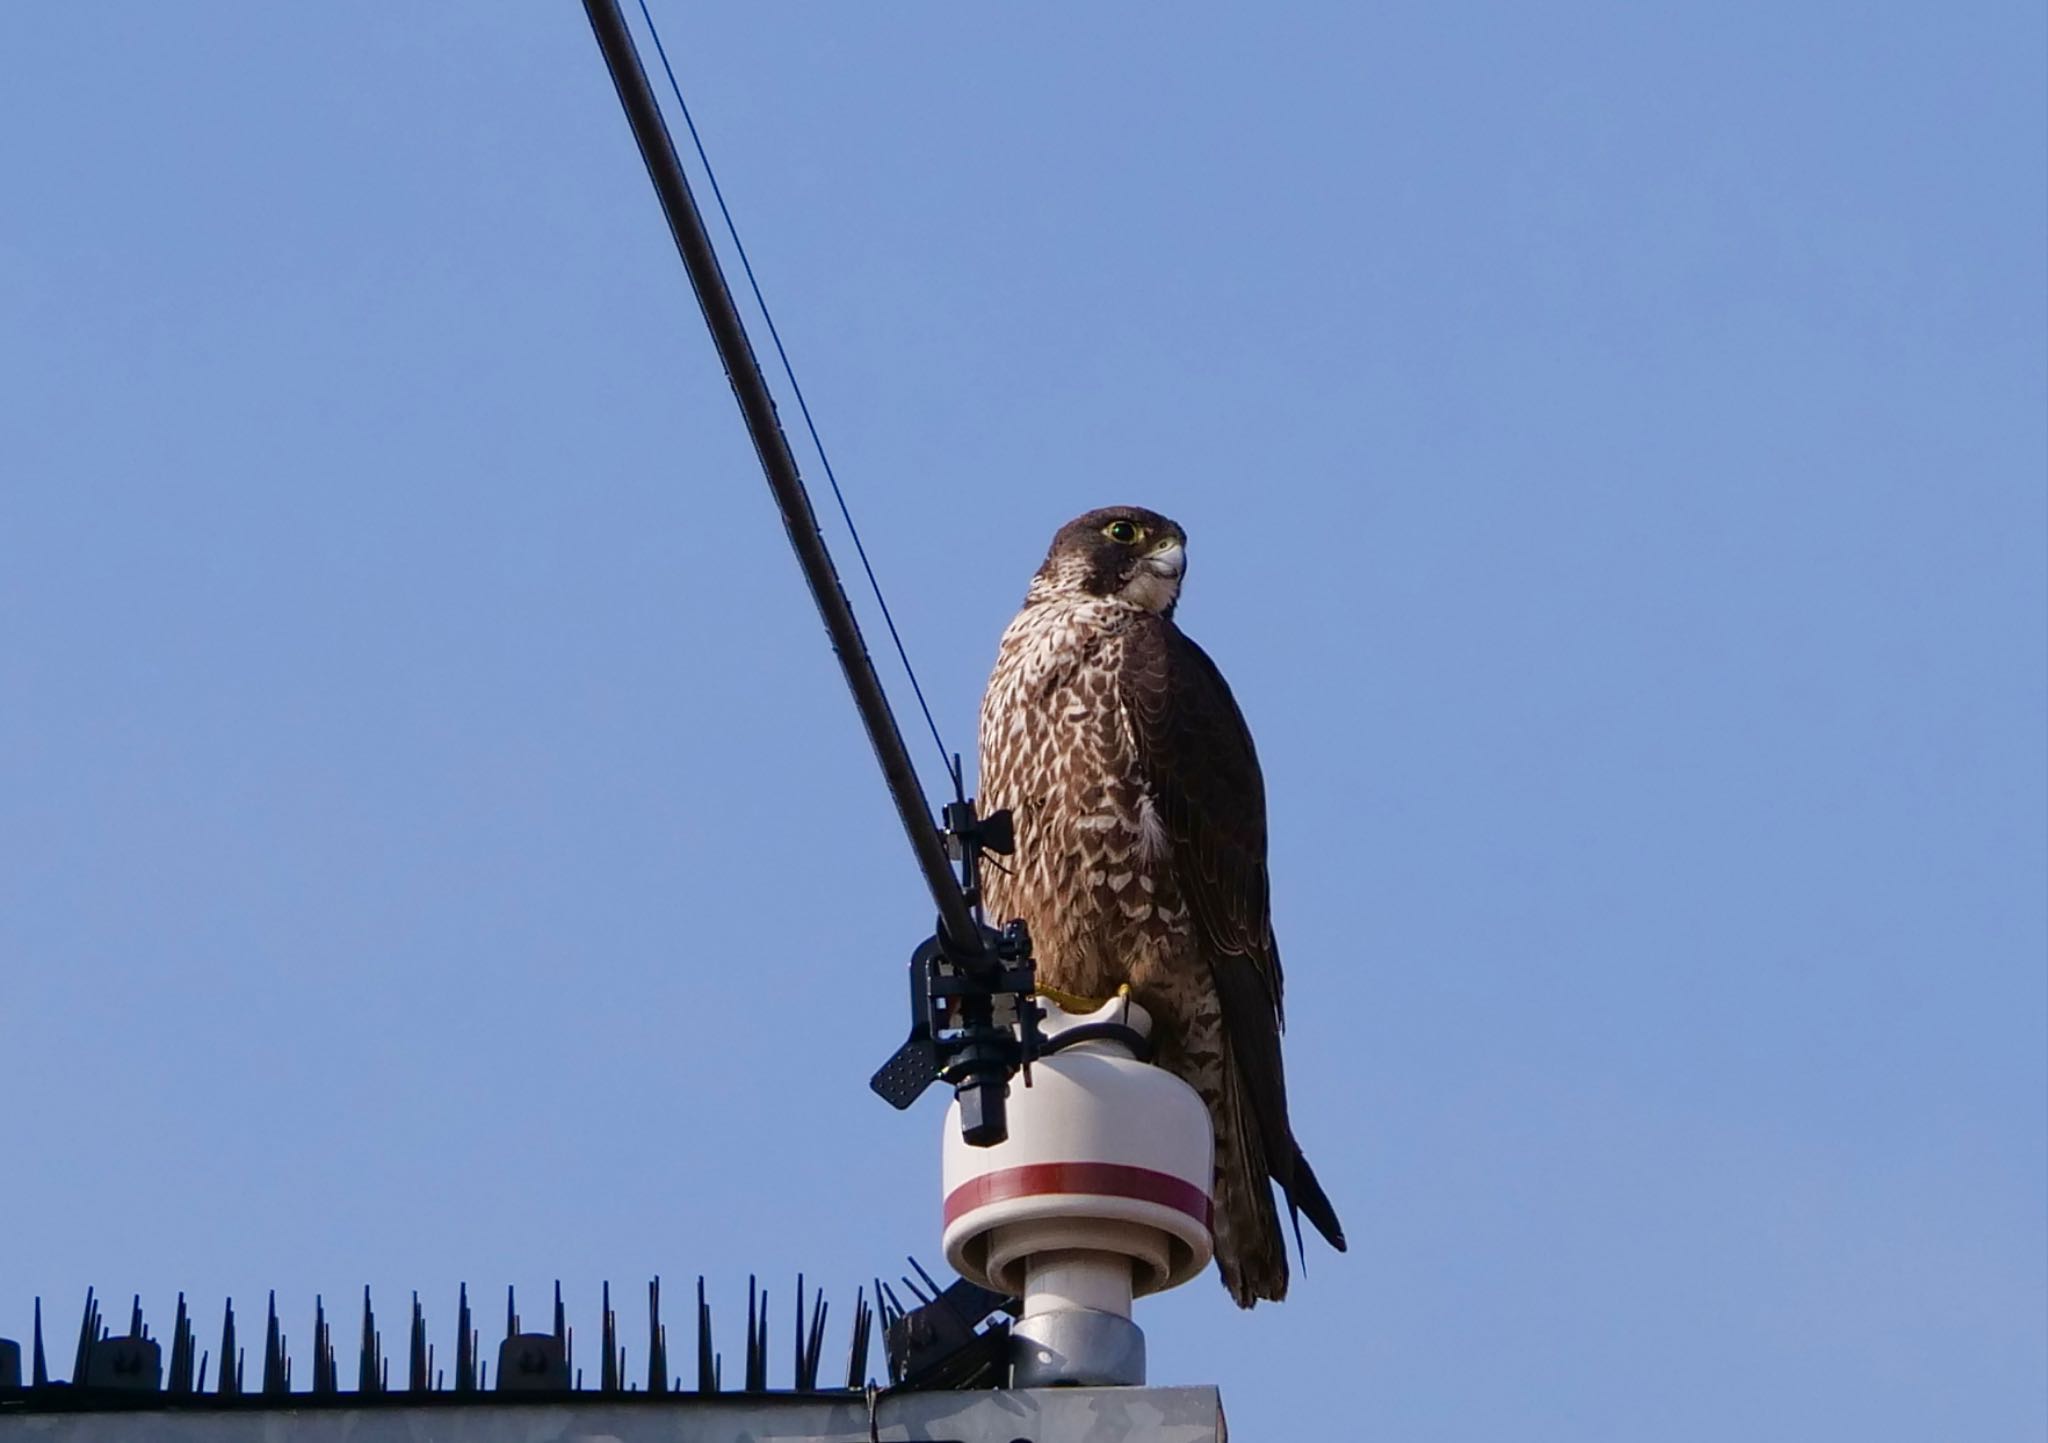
(1077, 1279)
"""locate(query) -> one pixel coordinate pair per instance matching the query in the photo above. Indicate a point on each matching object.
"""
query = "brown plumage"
(1141, 852)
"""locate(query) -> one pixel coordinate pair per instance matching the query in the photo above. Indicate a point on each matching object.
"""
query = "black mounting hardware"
(935, 1345)
(1129, 1038)
(532, 1362)
(972, 1020)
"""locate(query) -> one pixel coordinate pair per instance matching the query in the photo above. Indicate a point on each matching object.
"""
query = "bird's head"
(1126, 552)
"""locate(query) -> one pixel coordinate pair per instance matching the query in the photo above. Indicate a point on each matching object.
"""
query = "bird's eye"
(1124, 532)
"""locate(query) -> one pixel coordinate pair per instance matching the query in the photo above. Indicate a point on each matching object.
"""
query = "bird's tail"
(1251, 1251)
(1306, 1195)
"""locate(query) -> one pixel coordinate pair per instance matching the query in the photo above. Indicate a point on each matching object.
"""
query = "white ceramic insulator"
(1106, 1155)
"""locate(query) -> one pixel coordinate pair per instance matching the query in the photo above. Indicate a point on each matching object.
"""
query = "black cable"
(778, 466)
(803, 406)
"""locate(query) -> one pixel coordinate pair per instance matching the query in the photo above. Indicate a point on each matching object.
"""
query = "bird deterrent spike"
(657, 1340)
(230, 1373)
(181, 1350)
(88, 1330)
(369, 1359)
(797, 1331)
(757, 1340)
(747, 1363)
(608, 1342)
(276, 1378)
(324, 1379)
(707, 1380)
(465, 1345)
(810, 1344)
(419, 1368)
(857, 1348)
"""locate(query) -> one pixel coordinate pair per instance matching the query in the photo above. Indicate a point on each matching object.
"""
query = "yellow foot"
(1076, 1004)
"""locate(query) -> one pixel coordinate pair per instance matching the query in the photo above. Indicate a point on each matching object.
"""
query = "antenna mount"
(972, 1021)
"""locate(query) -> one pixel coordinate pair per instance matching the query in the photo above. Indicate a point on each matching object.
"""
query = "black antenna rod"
(757, 404)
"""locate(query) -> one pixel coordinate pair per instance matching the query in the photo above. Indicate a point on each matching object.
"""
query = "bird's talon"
(1073, 1002)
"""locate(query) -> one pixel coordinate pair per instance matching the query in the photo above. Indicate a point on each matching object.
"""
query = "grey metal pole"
(757, 404)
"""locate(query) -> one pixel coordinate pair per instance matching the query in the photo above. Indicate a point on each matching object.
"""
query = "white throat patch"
(1157, 585)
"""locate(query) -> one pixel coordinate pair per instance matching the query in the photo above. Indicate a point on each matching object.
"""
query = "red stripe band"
(1095, 1179)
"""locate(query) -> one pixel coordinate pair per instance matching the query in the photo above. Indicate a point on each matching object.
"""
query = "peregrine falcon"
(1141, 853)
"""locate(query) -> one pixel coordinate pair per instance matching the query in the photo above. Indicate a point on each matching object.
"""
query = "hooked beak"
(1155, 581)
(1168, 561)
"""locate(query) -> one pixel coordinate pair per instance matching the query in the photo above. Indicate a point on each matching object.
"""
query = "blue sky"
(434, 844)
